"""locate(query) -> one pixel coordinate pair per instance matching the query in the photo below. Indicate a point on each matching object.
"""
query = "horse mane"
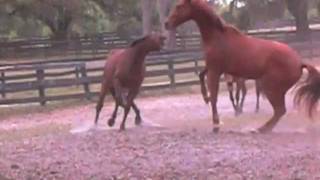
(137, 41)
(217, 20)
(220, 23)
(233, 29)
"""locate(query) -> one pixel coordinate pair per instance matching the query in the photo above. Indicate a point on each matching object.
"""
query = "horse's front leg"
(213, 85)
(203, 86)
(120, 96)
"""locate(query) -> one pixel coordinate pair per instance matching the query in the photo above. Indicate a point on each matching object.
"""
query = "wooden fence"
(41, 78)
(41, 81)
(100, 45)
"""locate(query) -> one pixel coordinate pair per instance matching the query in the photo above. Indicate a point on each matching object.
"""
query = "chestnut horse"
(237, 104)
(124, 71)
(227, 50)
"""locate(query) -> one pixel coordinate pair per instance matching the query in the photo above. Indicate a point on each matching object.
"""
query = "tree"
(146, 16)
(58, 15)
(125, 15)
(164, 10)
(299, 10)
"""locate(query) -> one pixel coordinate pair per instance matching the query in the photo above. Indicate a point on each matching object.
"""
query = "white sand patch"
(81, 126)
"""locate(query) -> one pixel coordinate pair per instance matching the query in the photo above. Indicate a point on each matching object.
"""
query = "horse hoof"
(138, 121)
(206, 100)
(262, 130)
(215, 130)
(254, 131)
(122, 128)
(111, 122)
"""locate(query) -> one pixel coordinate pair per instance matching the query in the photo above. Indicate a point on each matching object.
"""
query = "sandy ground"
(176, 142)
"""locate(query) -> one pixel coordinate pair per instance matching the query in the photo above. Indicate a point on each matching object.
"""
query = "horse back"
(112, 62)
(248, 57)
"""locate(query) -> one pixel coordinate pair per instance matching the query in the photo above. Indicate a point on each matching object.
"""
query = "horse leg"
(213, 85)
(120, 97)
(230, 89)
(111, 121)
(277, 100)
(101, 100)
(244, 93)
(238, 89)
(258, 89)
(138, 119)
(131, 95)
(203, 86)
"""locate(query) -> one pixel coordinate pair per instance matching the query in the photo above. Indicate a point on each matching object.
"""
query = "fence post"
(84, 79)
(77, 74)
(311, 51)
(196, 66)
(3, 83)
(41, 88)
(171, 73)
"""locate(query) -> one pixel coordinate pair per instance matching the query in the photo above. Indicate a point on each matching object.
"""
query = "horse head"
(197, 10)
(181, 13)
(151, 42)
(156, 41)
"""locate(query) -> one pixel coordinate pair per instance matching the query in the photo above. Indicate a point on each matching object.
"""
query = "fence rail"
(37, 79)
(42, 78)
(100, 45)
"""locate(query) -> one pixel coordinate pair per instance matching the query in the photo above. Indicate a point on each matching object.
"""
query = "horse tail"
(203, 86)
(309, 91)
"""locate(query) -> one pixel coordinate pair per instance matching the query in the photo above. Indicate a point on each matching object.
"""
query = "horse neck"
(140, 51)
(207, 24)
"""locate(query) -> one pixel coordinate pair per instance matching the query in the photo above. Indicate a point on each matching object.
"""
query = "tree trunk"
(211, 2)
(146, 16)
(164, 10)
(299, 10)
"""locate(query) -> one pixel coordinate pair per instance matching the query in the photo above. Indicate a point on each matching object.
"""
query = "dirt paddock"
(176, 142)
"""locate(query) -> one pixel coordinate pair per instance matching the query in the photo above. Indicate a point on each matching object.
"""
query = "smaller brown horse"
(240, 88)
(124, 71)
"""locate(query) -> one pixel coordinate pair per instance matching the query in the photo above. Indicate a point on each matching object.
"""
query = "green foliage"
(64, 18)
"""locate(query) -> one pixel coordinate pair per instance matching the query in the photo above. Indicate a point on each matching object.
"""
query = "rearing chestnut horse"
(227, 50)
(124, 71)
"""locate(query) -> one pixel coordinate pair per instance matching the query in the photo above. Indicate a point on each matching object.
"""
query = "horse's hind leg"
(244, 93)
(102, 95)
(230, 90)
(238, 90)
(258, 90)
(131, 95)
(277, 100)
(120, 97)
(138, 119)
(111, 121)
